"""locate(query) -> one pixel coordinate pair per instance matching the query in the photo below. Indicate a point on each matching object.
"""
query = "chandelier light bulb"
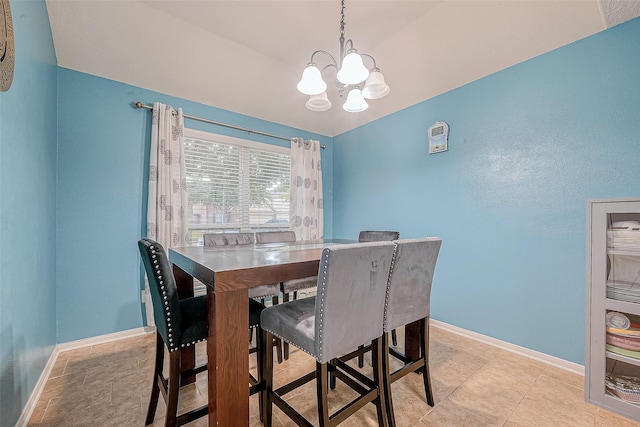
(353, 70)
(318, 102)
(375, 86)
(311, 82)
(355, 101)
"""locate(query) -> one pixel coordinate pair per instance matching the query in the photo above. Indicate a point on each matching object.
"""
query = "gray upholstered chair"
(226, 239)
(287, 287)
(271, 290)
(275, 236)
(378, 236)
(179, 325)
(347, 311)
(408, 301)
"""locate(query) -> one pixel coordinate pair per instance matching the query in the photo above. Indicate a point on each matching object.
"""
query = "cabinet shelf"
(623, 358)
(623, 252)
(622, 306)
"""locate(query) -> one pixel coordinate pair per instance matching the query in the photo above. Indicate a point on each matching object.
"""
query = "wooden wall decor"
(7, 46)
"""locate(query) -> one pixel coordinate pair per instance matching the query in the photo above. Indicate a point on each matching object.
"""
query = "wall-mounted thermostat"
(438, 135)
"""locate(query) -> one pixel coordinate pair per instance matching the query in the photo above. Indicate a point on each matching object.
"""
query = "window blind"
(235, 184)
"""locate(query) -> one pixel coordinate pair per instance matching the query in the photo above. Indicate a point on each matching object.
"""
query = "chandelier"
(351, 73)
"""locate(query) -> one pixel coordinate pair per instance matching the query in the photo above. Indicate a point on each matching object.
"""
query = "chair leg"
(267, 372)
(394, 338)
(322, 387)
(278, 341)
(386, 381)
(424, 349)
(361, 357)
(381, 402)
(157, 373)
(285, 345)
(174, 388)
(260, 370)
(332, 377)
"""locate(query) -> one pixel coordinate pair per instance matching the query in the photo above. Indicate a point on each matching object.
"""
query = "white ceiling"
(247, 56)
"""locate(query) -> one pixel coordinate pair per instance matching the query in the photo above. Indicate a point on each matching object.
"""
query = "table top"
(228, 267)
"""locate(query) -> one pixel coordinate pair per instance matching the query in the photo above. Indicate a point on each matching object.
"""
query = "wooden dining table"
(228, 272)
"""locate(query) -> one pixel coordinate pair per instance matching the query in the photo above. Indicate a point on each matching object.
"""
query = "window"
(235, 184)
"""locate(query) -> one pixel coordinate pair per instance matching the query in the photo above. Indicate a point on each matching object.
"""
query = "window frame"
(242, 143)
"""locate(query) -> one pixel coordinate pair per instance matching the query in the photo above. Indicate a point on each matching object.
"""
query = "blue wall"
(103, 154)
(27, 211)
(527, 147)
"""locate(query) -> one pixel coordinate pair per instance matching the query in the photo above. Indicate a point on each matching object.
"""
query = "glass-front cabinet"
(612, 363)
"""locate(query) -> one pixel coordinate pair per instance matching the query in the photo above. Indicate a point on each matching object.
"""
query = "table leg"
(184, 283)
(228, 357)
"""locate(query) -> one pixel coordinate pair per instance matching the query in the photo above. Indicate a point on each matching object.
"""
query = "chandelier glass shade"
(318, 102)
(350, 71)
(312, 83)
(355, 101)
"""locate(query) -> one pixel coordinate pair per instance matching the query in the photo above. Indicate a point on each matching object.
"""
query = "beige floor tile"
(543, 411)
(491, 392)
(474, 384)
(564, 376)
(606, 418)
(58, 386)
(518, 366)
(516, 421)
(562, 395)
(451, 414)
(409, 400)
(451, 366)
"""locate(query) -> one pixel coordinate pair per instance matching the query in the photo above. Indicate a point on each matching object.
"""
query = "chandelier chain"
(342, 23)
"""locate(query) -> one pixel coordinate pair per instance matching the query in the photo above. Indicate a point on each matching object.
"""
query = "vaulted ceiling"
(247, 56)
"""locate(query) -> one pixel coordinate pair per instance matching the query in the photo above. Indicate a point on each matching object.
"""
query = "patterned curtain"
(167, 205)
(306, 210)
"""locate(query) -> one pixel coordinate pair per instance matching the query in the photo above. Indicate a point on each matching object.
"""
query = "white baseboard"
(523, 351)
(71, 345)
(101, 339)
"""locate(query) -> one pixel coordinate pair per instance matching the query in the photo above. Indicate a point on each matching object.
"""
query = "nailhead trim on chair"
(325, 255)
(171, 344)
(386, 298)
(309, 352)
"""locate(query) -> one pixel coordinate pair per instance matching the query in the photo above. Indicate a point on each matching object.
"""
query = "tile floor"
(474, 384)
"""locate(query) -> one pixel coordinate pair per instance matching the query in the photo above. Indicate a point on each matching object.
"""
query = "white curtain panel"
(306, 210)
(167, 206)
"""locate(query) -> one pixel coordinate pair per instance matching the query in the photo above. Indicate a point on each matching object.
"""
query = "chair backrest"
(275, 236)
(352, 284)
(227, 239)
(378, 236)
(164, 292)
(409, 293)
